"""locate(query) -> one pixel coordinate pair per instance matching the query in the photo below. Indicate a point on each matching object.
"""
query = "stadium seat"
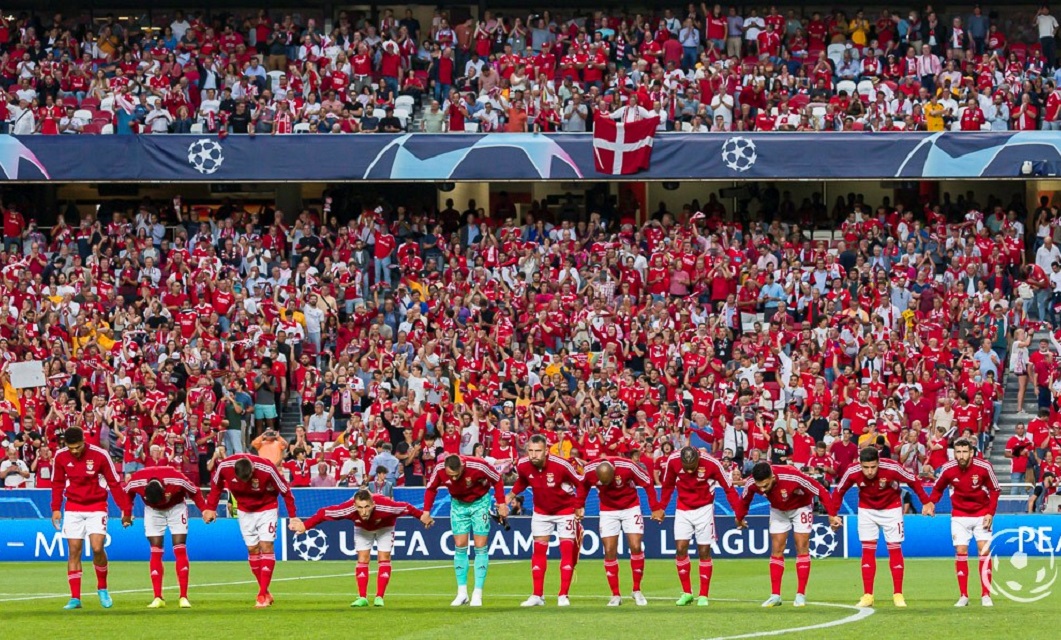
(70, 101)
(405, 102)
(107, 129)
(402, 116)
(836, 53)
(100, 122)
(103, 115)
(90, 129)
(90, 102)
(865, 88)
(848, 86)
(197, 127)
(1020, 50)
(83, 114)
(302, 127)
(687, 127)
(152, 101)
(318, 436)
(471, 127)
(274, 79)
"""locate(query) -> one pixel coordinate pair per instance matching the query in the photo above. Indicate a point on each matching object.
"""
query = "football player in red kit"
(791, 495)
(374, 517)
(880, 508)
(557, 488)
(974, 498)
(164, 491)
(83, 474)
(255, 484)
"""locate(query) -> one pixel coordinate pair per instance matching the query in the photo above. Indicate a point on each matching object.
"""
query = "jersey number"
(184, 518)
(272, 527)
(806, 517)
(639, 520)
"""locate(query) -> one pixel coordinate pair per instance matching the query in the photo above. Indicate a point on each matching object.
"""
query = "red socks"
(567, 564)
(706, 567)
(869, 566)
(611, 571)
(682, 564)
(265, 573)
(383, 577)
(777, 570)
(539, 561)
(637, 567)
(74, 578)
(361, 573)
(985, 575)
(180, 553)
(961, 569)
(802, 573)
(255, 560)
(101, 576)
(156, 567)
(895, 563)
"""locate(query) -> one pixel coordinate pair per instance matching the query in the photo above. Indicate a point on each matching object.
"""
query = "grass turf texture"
(314, 598)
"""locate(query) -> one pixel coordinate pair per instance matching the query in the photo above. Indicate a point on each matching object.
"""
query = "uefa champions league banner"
(1015, 537)
(513, 156)
(36, 503)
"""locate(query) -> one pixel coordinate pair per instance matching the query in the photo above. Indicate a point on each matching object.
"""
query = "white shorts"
(382, 538)
(77, 525)
(258, 526)
(871, 521)
(695, 523)
(799, 520)
(175, 518)
(612, 523)
(563, 526)
(965, 528)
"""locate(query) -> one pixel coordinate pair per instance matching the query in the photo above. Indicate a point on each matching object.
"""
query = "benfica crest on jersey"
(700, 473)
(784, 494)
(883, 483)
(618, 482)
(90, 465)
(975, 479)
(254, 484)
(468, 482)
(550, 479)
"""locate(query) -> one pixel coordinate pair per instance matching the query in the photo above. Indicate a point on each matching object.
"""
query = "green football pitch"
(312, 600)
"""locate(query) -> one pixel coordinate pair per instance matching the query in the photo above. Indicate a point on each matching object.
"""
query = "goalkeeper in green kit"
(470, 482)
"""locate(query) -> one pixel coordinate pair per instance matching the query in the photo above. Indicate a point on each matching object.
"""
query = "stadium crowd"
(698, 69)
(400, 336)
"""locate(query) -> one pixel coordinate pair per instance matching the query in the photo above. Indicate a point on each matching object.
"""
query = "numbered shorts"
(77, 525)
(175, 519)
(382, 538)
(965, 528)
(612, 523)
(563, 526)
(471, 517)
(258, 526)
(872, 521)
(799, 520)
(695, 523)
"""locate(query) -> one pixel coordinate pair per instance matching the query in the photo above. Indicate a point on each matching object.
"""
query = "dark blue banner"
(512, 156)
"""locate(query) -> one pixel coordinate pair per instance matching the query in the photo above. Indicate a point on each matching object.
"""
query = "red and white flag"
(621, 148)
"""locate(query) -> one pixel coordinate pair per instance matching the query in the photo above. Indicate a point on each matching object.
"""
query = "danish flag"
(621, 148)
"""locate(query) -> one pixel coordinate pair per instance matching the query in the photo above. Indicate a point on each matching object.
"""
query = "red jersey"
(792, 489)
(621, 494)
(694, 488)
(555, 485)
(78, 479)
(974, 489)
(882, 491)
(256, 495)
(384, 515)
(177, 486)
(478, 478)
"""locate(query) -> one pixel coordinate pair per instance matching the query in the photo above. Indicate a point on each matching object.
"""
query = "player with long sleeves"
(880, 508)
(470, 482)
(164, 491)
(791, 494)
(974, 499)
(694, 476)
(77, 470)
(617, 481)
(558, 491)
(374, 517)
(257, 486)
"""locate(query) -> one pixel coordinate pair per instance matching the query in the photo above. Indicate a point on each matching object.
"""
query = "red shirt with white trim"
(974, 489)
(177, 486)
(78, 479)
(792, 489)
(883, 490)
(621, 494)
(555, 485)
(260, 493)
(385, 514)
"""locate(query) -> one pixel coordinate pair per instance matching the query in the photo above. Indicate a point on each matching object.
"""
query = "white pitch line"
(239, 582)
(860, 614)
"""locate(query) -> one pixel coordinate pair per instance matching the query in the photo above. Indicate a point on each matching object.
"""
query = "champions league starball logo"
(205, 156)
(738, 154)
(310, 546)
(413, 157)
(823, 541)
(1015, 577)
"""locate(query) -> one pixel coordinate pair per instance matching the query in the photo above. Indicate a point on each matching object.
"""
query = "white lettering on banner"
(522, 543)
(499, 546)
(590, 542)
(49, 547)
(446, 544)
(345, 547)
(417, 545)
(664, 544)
